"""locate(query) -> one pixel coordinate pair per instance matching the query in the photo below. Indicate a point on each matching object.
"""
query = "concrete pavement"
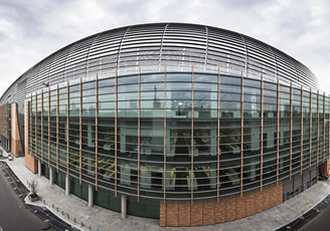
(76, 211)
(13, 213)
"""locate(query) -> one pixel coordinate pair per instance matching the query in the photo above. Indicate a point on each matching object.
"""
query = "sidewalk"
(99, 219)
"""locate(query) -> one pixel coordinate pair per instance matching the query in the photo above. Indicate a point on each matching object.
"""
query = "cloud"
(32, 30)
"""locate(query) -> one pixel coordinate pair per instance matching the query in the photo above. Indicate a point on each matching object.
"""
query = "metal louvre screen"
(166, 43)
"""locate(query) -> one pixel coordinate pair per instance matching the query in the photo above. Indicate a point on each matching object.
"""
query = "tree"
(33, 186)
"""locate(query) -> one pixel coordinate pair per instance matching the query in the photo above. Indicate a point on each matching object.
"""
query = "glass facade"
(176, 135)
(169, 112)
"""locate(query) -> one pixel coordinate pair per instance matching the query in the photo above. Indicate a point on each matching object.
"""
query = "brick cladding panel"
(162, 220)
(249, 205)
(240, 207)
(184, 213)
(279, 194)
(16, 146)
(172, 213)
(230, 210)
(219, 212)
(258, 202)
(208, 212)
(274, 195)
(31, 163)
(196, 213)
(267, 199)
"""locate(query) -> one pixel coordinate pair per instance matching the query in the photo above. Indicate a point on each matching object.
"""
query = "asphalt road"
(13, 215)
(320, 222)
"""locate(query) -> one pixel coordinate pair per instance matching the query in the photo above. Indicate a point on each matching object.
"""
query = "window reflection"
(188, 132)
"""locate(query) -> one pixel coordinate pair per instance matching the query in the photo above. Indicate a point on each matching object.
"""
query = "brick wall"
(184, 213)
(207, 212)
(16, 145)
(196, 216)
(30, 162)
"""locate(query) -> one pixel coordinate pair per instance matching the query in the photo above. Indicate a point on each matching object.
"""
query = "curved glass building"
(188, 124)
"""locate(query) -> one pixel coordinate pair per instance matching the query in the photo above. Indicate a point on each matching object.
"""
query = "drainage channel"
(42, 212)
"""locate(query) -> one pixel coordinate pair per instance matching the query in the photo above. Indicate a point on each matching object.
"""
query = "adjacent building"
(189, 124)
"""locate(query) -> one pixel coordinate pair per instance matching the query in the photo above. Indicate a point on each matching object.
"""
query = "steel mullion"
(165, 136)
(323, 127)
(67, 130)
(318, 128)
(261, 132)
(278, 132)
(242, 130)
(192, 137)
(301, 129)
(49, 127)
(139, 133)
(310, 129)
(218, 140)
(291, 114)
(116, 132)
(42, 126)
(30, 145)
(80, 131)
(36, 127)
(96, 131)
(57, 127)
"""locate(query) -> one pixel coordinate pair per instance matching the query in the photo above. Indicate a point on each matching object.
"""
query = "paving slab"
(99, 219)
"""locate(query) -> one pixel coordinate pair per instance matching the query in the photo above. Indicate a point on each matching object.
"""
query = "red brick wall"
(219, 211)
(184, 213)
(162, 220)
(31, 163)
(240, 207)
(196, 216)
(172, 213)
(206, 212)
(16, 145)
(230, 209)
(249, 205)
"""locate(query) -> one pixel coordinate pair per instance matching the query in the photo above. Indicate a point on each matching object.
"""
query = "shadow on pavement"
(306, 217)
(42, 212)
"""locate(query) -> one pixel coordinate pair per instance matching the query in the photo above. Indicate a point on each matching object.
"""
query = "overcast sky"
(31, 30)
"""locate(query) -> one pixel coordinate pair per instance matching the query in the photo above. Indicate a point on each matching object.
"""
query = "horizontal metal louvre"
(152, 44)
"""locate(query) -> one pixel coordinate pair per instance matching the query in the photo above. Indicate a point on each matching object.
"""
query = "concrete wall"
(207, 212)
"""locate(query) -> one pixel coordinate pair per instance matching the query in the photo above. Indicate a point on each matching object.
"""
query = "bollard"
(52, 205)
(82, 224)
(68, 216)
(44, 202)
(90, 228)
(57, 209)
(74, 220)
(62, 212)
